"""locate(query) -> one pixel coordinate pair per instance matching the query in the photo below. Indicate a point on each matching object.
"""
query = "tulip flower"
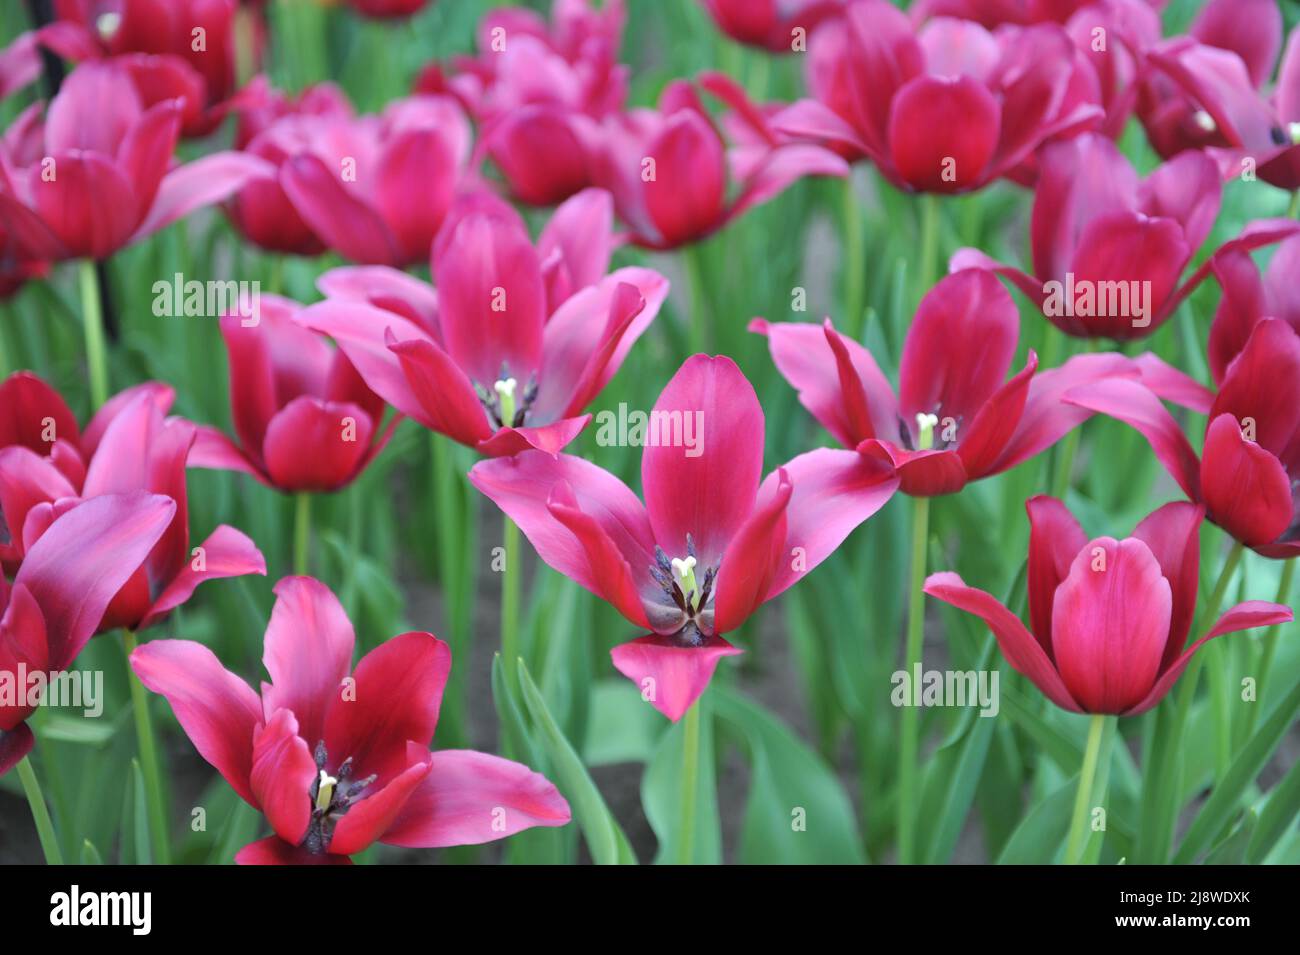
(711, 542)
(140, 450)
(304, 419)
(946, 108)
(1113, 36)
(668, 168)
(954, 419)
(375, 189)
(1248, 298)
(276, 128)
(771, 25)
(1110, 249)
(1109, 618)
(518, 339)
(1203, 91)
(103, 179)
(338, 758)
(1247, 472)
(63, 589)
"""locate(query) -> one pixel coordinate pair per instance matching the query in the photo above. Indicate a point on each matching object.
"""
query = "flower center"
(108, 24)
(507, 404)
(684, 577)
(684, 587)
(331, 797)
(1293, 131)
(506, 398)
(925, 425)
(1204, 121)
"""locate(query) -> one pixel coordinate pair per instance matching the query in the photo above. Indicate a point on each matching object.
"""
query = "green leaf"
(89, 854)
(954, 772)
(605, 839)
(1277, 817)
(242, 827)
(1038, 838)
(622, 729)
(797, 812)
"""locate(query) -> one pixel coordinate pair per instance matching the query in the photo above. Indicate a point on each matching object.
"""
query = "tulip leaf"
(1040, 835)
(241, 828)
(89, 854)
(797, 812)
(622, 729)
(1277, 817)
(605, 839)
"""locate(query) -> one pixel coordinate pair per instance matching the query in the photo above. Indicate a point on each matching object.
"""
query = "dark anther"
(320, 756)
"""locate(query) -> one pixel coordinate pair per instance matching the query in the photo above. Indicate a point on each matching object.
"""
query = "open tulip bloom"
(335, 758)
(712, 541)
(954, 418)
(946, 108)
(516, 341)
(1109, 618)
(62, 591)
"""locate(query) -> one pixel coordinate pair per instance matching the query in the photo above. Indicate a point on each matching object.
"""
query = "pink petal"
(203, 182)
(26, 402)
(1172, 533)
(1250, 28)
(685, 197)
(580, 234)
(669, 675)
(987, 438)
(1246, 489)
(89, 206)
(1187, 189)
(226, 553)
(753, 557)
(314, 445)
(443, 399)
(214, 450)
(548, 438)
(416, 178)
(1055, 539)
(342, 219)
(281, 776)
(275, 851)
(1263, 384)
(942, 132)
(367, 820)
(160, 393)
(384, 287)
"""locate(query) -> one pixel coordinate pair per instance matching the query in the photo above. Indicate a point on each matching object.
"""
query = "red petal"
(27, 406)
(942, 132)
(685, 197)
(1246, 489)
(670, 676)
(345, 222)
(1172, 533)
(314, 445)
(275, 851)
(1055, 539)
(226, 553)
(281, 776)
(367, 820)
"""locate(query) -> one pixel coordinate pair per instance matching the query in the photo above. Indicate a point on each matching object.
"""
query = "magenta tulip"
(338, 758)
(773, 25)
(712, 541)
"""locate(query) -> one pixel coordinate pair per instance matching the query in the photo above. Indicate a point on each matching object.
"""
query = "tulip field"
(649, 431)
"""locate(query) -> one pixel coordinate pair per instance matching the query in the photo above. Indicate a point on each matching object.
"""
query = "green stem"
(149, 765)
(909, 748)
(301, 532)
(510, 574)
(1293, 210)
(453, 573)
(5, 366)
(40, 814)
(93, 327)
(1270, 636)
(927, 273)
(1083, 798)
(690, 783)
(697, 325)
(854, 274)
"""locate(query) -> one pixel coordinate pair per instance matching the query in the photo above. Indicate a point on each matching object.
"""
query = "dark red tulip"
(103, 177)
(63, 588)
(774, 25)
(954, 419)
(275, 129)
(304, 418)
(1109, 618)
(948, 107)
(517, 340)
(713, 540)
(375, 189)
(338, 758)
(1109, 248)
(1249, 468)
(674, 177)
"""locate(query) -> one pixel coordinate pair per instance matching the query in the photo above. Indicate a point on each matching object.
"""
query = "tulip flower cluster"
(415, 318)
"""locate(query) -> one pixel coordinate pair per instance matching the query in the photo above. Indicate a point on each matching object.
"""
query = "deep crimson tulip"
(1113, 36)
(276, 128)
(674, 178)
(770, 24)
(954, 419)
(140, 450)
(304, 419)
(1107, 242)
(1249, 467)
(103, 177)
(1248, 298)
(948, 107)
(387, 9)
(1109, 618)
(1203, 90)
(517, 340)
(62, 590)
(375, 189)
(336, 758)
(711, 543)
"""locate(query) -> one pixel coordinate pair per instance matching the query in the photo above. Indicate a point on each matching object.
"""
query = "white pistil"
(108, 24)
(505, 390)
(1293, 131)
(684, 574)
(925, 425)
(325, 794)
(1204, 120)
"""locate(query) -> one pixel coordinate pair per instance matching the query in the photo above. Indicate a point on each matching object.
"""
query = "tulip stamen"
(925, 425)
(1204, 121)
(681, 582)
(506, 406)
(331, 796)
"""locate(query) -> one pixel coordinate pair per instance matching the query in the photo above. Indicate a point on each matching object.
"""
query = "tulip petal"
(416, 178)
(204, 182)
(753, 557)
(345, 222)
(383, 287)
(580, 233)
(89, 205)
(1246, 489)
(281, 776)
(470, 798)
(1172, 533)
(33, 414)
(15, 744)
(1250, 28)
(943, 132)
(314, 445)
(218, 711)
(987, 437)
(442, 397)
(368, 819)
(685, 197)
(1263, 386)
(226, 553)
(670, 675)
(275, 851)
(1055, 539)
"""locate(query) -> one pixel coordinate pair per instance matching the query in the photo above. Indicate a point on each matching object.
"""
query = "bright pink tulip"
(1109, 619)
(103, 178)
(62, 590)
(276, 128)
(711, 543)
(376, 188)
(673, 177)
(1203, 90)
(518, 339)
(337, 758)
(304, 418)
(946, 108)
(1249, 468)
(770, 24)
(140, 450)
(1109, 248)
(954, 418)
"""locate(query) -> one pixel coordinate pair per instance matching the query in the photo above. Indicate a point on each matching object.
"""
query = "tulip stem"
(690, 783)
(5, 369)
(1293, 210)
(301, 532)
(929, 263)
(854, 229)
(148, 756)
(1270, 638)
(92, 317)
(510, 597)
(40, 814)
(1083, 799)
(909, 748)
(697, 328)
